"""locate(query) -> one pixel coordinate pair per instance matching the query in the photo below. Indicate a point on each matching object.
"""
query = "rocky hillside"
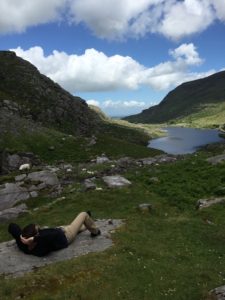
(29, 95)
(187, 99)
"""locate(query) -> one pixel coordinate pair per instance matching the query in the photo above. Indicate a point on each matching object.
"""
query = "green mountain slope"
(189, 98)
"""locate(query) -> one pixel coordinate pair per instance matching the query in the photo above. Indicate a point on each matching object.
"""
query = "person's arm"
(27, 241)
(14, 230)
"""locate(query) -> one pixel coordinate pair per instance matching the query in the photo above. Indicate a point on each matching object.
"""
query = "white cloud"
(123, 104)
(115, 19)
(93, 102)
(188, 53)
(186, 17)
(94, 71)
(219, 5)
(17, 15)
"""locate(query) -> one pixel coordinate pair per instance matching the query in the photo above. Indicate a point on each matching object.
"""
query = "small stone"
(89, 184)
(145, 207)
(51, 148)
(153, 180)
(34, 194)
(102, 159)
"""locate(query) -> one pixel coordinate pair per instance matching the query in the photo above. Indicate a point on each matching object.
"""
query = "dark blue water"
(185, 140)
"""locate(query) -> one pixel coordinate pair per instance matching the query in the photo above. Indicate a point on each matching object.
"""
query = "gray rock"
(218, 293)
(89, 184)
(158, 159)
(32, 188)
(216, 159)
(34, 194)
(102, 159)
(12, 213)
(145, 207)
(14, 161)
(11, 194)
(116, 181)
(153, 180)
(92, 141)
(46, 177)
(51, 148)
(41, 186)
(203, 203)
(20, 177)
(15, 263)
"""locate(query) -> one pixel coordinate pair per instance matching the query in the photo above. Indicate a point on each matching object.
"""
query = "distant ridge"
(187, 99)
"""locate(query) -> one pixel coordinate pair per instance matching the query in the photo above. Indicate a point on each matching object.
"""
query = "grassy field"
(210, 116)
(173, 252)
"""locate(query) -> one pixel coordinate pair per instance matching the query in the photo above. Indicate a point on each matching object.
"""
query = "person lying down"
(40, 242)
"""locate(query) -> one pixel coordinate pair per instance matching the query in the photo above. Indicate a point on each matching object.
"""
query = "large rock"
(216, 159)
(12, 213)
(11, 193)
(203, 203)
(47, 177)
(218, 293)
(116, 181)
(15, 263)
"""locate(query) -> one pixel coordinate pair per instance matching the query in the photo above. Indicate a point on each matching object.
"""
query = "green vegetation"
(173, 252)
(110, 140)
(211, 116)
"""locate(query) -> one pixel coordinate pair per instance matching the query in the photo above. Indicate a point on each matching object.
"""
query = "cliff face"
(186, 99)
(25, 92)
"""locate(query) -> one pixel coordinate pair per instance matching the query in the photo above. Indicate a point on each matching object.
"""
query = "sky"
(121, 55)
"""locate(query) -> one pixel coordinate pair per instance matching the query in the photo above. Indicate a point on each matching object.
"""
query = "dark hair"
(29, 230)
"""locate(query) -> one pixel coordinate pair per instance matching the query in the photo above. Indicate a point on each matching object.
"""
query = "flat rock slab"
(15, 263)
(116, 181)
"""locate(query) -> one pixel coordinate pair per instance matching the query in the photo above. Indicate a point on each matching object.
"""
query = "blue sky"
(122, 55)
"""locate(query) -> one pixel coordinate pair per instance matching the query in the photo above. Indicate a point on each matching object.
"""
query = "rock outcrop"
(26, 93)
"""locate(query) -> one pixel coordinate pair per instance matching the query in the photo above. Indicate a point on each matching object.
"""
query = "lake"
(181, 140)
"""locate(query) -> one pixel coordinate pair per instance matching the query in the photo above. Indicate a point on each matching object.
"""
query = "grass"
(210, 116)
(171, 253)
(68, 148)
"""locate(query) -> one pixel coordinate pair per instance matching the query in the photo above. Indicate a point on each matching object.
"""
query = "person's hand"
(27, 241)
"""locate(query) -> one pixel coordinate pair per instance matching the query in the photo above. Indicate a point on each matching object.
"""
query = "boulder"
(46, 177)
(89, 184)
(203, 203)
(12, 213)
(11, 193)
(116, 181)
(218, 293)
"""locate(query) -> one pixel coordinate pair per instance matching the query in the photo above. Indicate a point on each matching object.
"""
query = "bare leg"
(78, 225)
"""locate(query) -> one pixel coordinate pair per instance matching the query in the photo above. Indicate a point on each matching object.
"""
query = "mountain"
(29, 95)
(188, 99)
